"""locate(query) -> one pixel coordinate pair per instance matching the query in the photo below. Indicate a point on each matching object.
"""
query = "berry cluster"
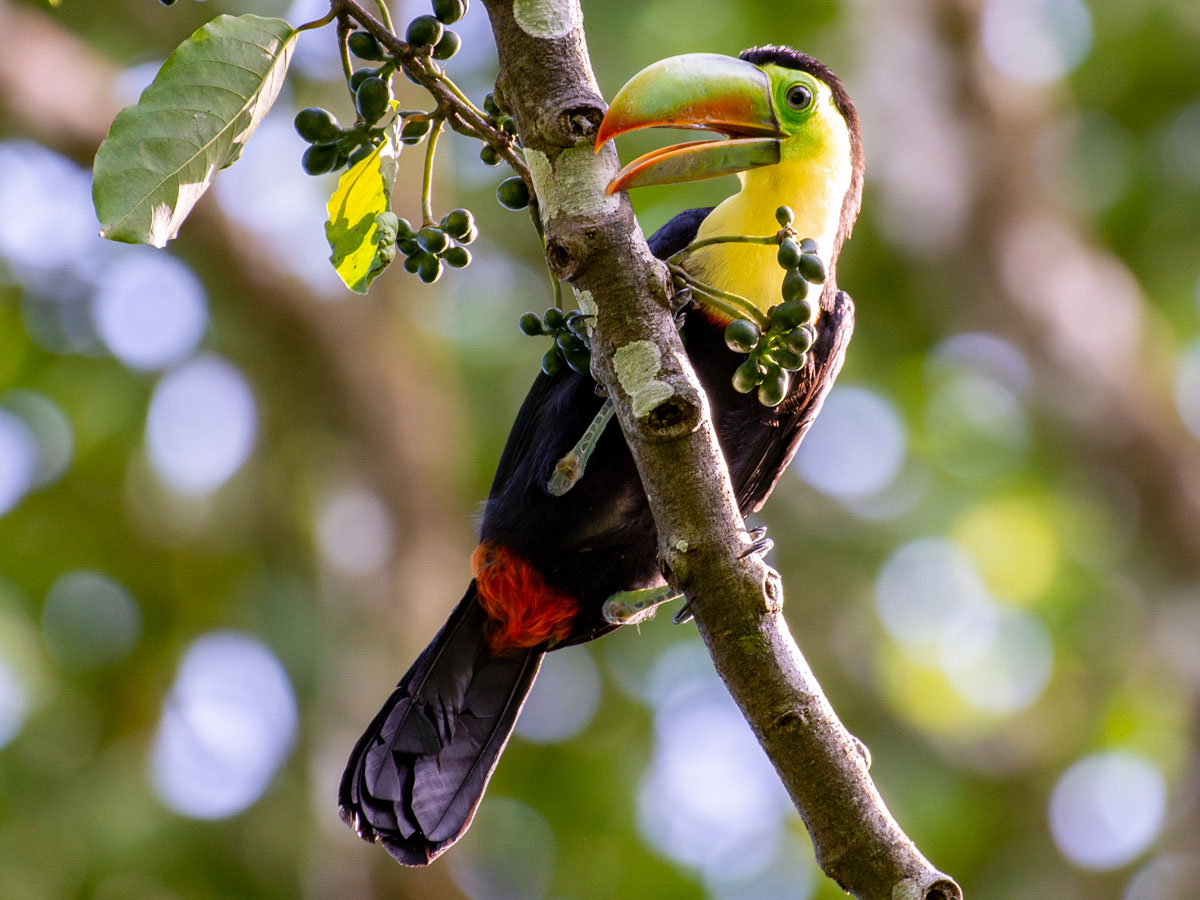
(431, 31)
(333, 146)
(429, 247)
(571, 348)
(782, 348)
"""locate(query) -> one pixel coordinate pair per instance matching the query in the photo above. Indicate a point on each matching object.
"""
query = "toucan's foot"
(684, 614)
(755, 533)
(760, 547)
(631, 607)
(570, 468)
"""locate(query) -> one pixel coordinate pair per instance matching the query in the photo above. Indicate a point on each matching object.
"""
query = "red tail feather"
(523, 609)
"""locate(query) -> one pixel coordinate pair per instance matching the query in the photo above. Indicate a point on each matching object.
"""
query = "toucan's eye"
(799, 97)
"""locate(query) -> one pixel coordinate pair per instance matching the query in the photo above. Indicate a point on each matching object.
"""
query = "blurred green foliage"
(989, 545)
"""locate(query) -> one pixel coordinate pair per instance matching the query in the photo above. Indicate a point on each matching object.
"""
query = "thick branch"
(593, 241)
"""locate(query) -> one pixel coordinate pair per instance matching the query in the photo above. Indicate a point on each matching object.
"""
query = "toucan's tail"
(417, 774)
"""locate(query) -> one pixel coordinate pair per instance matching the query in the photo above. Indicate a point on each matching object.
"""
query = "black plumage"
(416, 776)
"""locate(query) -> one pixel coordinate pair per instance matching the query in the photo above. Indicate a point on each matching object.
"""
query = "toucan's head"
(783, 114)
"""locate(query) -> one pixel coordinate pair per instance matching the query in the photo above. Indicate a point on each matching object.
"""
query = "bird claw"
(761, 547)
(684, 614)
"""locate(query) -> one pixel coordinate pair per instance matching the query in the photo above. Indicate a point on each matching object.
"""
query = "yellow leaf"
(360, 251)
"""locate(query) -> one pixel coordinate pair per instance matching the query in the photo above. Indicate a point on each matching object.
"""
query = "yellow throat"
(812, 178)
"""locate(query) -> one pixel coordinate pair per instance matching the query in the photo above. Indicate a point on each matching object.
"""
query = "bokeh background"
(235, 500)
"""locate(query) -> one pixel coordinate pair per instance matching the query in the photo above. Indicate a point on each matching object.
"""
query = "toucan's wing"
(678, 233)
(527, 436)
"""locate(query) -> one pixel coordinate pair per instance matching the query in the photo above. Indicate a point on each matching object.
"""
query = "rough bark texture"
(593, 241)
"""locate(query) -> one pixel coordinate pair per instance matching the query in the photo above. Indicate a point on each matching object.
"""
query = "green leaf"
(360, 253)
(161, 154)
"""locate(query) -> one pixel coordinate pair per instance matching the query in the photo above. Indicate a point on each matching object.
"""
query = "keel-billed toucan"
(546, 564)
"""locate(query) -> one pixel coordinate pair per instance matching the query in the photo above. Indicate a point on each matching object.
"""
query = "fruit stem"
(427, 180)
(385, 15)
(731, 304)
(557, 291)
(453, 88)
(343, 31)
(723, 239)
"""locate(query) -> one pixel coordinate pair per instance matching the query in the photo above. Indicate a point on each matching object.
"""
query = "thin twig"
(318, 23)
(462, 116)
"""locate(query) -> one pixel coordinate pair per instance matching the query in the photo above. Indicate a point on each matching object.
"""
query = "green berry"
(167, 2)
(470, 236)
(579, 359)
(568, 341)
(457, 257)
(359, 154)
(449, 11)
(319, 159)
(791, 314)
(364, 46)
(794, 286)
(317, 125)
(784, 216)
(371, 98)
(512, 193)
(799, 340)
(458, 222)
(490, 155)
(408, 246)
(746, 377)
(554, 318)
(403, 229)
(774, 386)
(489, 104)
(741, 335)
(414, 130)
(424, 31)
(361, 75)
(413, 261)
(786, 358)
(808, 245)
(812, 268)
(530, 324)
(430, 268)
(432, 239)
(506, 124)
(552, 362)
(789, 254)
(448, 45)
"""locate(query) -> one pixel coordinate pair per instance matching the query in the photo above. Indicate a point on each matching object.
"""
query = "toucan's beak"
(697, 90)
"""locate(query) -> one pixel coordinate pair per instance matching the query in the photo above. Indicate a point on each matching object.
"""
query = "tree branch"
(592, 241)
